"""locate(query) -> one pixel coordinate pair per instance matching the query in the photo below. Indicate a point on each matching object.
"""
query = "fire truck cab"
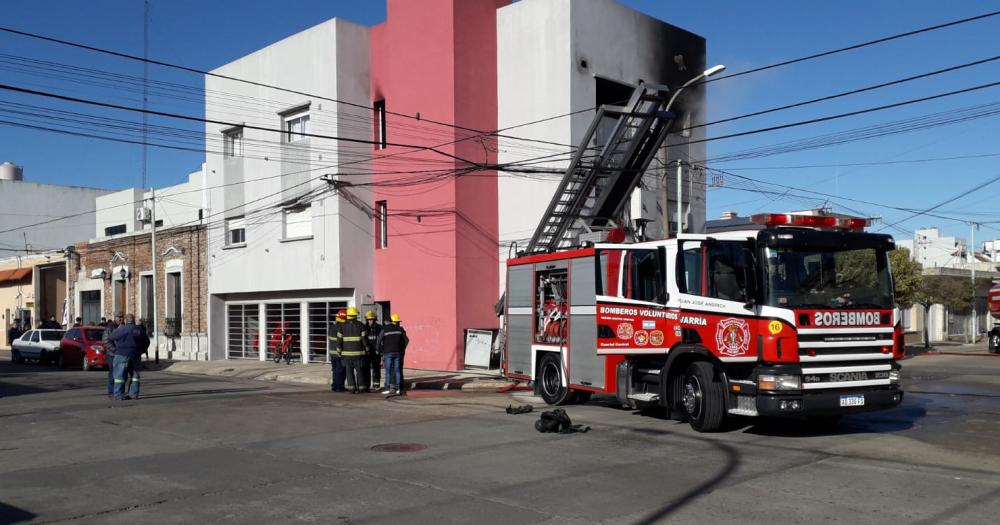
(792, 316)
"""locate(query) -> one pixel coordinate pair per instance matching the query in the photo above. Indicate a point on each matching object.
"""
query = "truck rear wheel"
(550, 380)
(703, 397)
(994, 342)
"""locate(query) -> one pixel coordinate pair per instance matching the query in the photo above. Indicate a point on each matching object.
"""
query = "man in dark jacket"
(374, 359)
(352, 350)
(14, 332)
(392, 343)
(336, 362)
(107, 341)
(130, 342)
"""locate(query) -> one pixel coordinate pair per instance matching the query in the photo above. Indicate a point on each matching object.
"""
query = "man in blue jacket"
(130, 342)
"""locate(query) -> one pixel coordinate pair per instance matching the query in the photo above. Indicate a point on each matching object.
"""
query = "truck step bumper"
(826, 403)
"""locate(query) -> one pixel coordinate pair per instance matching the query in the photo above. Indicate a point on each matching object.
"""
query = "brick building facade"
(116, 276)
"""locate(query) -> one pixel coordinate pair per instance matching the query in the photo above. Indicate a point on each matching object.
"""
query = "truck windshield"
(812, 277)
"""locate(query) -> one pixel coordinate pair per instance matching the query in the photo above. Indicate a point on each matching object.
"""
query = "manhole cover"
(399, 447)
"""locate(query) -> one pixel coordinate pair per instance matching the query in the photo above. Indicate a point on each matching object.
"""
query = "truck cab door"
(632, 300)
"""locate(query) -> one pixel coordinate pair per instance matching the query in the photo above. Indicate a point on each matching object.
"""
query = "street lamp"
(680, 189)
(123, 273)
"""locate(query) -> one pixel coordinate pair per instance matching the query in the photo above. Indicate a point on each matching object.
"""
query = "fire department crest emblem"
(656, 338)
(624, 331)
(732, 337)
(641, 337)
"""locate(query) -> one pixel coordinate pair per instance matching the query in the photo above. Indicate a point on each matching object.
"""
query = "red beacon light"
(811, 221)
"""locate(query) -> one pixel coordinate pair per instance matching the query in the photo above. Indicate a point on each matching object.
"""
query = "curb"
(965, 354)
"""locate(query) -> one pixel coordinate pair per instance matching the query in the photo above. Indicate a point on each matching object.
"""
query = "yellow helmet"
(369, 315)
(394, 317)
(352, 311)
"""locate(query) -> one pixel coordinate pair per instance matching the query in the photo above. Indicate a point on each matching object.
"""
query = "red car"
(81, 346)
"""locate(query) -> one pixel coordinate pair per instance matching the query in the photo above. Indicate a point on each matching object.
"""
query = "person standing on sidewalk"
(336, 362)
(108, 342)
(352, 351)
(372, 356)
(14, 332)
(131, 341)
(392, 343)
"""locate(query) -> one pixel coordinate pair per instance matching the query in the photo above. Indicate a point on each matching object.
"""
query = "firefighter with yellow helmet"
(336, 362)
(373, 360)
(351, 339)
(392, 344)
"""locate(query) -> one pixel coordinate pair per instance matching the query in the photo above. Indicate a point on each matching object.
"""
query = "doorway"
(90, 307)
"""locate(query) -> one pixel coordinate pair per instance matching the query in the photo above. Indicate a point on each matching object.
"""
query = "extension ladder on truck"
(592, 195)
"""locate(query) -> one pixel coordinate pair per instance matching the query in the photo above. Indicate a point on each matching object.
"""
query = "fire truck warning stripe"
(583, 310)
(843, 357)
(737, 359)
(835, 369)
(842, 344)
(845, 331)
(845, 384)
(519, 310)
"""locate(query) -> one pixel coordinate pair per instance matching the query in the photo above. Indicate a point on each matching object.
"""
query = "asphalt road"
(210, 450)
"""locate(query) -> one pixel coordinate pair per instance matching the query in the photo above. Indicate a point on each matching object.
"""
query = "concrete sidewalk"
(948, 348)
(319, 374)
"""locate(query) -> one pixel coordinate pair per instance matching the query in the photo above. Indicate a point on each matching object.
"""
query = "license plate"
(852, 401)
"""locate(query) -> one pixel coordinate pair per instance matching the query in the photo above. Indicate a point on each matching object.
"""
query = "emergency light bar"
(811, 221)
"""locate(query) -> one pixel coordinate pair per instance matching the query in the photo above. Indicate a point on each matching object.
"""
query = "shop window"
(242, 331)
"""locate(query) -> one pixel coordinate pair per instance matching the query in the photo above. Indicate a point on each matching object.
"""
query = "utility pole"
(972, 257)
(156, 338)
(680, 198)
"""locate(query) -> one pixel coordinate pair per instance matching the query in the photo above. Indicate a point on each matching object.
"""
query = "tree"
(953, 292)
(906, 277)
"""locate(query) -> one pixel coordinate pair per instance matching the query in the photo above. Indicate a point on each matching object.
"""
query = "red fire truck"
(993, 302)
(792, 315)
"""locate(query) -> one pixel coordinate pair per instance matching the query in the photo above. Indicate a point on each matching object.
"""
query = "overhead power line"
(848, 93)
(853, 47)
(191, 118)
(842, 115)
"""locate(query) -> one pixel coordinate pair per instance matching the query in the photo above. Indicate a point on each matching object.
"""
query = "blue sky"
(740, 34)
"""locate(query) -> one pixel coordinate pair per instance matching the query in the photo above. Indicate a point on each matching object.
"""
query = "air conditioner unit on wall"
(143, 214)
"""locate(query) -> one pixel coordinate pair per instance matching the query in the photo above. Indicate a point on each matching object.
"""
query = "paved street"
(213, 449)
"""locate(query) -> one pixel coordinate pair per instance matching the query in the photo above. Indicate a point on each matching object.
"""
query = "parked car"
(81, 346)
(38, 345)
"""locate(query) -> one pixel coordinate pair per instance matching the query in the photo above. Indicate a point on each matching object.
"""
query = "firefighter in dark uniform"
(352, 351)
(392, 343)
(336, 362)
(372, 355)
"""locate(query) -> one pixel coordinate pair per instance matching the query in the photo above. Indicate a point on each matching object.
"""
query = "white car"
(40, 345)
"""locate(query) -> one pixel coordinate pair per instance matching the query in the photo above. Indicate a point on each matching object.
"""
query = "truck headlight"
(776, 382)
(893, 376)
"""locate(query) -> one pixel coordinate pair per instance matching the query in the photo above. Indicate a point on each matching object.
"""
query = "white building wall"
(543, 45)
(27, 203)
(330, 60)
(177, 205)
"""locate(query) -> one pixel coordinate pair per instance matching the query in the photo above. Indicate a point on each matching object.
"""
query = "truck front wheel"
(994, 342)
(702, 397)
(550, 380)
